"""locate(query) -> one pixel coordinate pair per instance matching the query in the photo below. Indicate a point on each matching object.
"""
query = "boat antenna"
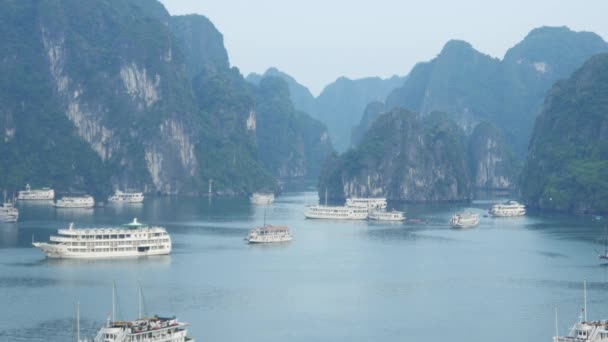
(78, 321)
(140, 300)
(113, 301)
(556, 325)
(585, 307)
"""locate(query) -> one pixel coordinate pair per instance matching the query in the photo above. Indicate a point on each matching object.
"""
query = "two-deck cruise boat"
(8, 212)
(269, 234)
(383, 215)
(262, 198)
(336, 212)
(29, 194)
(464, 220)
(126, 197)
(584, 330)
(143, 329)
(510, 208)
(131, 240)
(75, 202)
(369, 203)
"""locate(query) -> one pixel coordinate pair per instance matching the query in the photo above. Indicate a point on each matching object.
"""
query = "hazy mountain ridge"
(340, 105)
(472, 87)
(568, 158)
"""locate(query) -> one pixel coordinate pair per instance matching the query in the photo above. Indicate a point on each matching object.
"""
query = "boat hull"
(61, 252)
(264, 241)
(330, 217)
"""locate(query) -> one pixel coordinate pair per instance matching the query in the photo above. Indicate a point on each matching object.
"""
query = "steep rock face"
(301, 97)
(291, 143)
(403, 157)
(202, 43)
(568, 157)
(341, 104)
(229, 152)
(371, 113)
(473, 87)
(493, 165)
(102, 99)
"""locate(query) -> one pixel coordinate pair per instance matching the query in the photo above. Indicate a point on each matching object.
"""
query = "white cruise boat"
(126, 197)
(336, 212)
(8, 212)
(155, 329)
(75, 202)
(382, 215)
(262, 198)
(369, 203)
(131, 240)
(269, 234)
(464, 220)
(584, 330)
(510, 208)
(29, 194)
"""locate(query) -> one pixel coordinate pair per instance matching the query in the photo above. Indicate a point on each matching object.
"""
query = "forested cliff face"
(473, 87)
(403, 157)
(130, 113)
(123, 95)
(291, 143)
(492, 163)
(567, 162)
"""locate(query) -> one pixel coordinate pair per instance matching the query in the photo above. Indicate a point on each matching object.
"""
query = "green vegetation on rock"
(567, 162)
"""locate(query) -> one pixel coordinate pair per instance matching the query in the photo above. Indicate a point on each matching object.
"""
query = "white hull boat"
(126, 197)
(262, 198)
(75, 202)
(378, 215)
(336, 212)
(29, 194)
(131, 240)
(464, 220)
(269, 234)
(8, 213)
(369, 203)
(508, 209)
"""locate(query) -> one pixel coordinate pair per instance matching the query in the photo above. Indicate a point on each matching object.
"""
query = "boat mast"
(556, 326)
(326, 196)
(78, 321)
(113, 301)
(139, 295)
(585, 290)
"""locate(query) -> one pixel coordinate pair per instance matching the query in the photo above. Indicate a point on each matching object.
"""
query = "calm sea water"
(336, 281)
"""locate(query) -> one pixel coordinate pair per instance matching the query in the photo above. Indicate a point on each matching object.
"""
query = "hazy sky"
(317, 41)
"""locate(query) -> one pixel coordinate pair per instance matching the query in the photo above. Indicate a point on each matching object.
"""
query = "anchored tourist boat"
(29, 194)
(269, 234)
(262, 198)
(8, 212)
(75, 202)
(336, 212)
(464, 220)
(511, 208)
(131, 240)
(143, 329)
(584, 330)
(381, 215)
(126, 197)
(369, 203)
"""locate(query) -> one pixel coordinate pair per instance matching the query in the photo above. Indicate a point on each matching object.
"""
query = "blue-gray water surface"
(336, 281)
